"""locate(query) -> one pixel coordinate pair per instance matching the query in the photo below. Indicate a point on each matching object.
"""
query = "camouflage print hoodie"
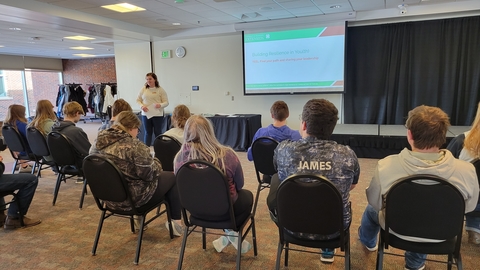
(133, 158)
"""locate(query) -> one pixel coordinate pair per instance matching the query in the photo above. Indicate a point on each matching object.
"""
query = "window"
(3, 93)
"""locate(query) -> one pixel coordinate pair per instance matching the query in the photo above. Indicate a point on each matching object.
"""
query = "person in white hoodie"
(426, 133)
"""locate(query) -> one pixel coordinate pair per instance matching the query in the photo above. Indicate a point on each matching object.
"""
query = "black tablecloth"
(238, 131)
(375, 146)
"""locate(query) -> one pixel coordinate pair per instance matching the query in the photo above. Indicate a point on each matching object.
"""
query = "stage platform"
(379, 141)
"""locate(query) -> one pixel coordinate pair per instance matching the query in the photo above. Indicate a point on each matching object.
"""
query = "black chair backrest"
(37, 142)
(106, 181)
(14, 139)
(309, 204)
(166, 147)
(262, 152)
(62, 150)
(204, 191)
(425, 206)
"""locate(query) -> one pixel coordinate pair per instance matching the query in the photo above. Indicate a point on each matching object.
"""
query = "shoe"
(177, 228)
(371, 249)
(233, 238)
(26, 169)
(221, 243)
(14, 222)
(136, 224)
(473, 237)
(79, 180)
(420, 268)
(328, 255)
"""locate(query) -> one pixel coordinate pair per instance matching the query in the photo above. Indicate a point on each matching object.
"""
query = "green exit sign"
(166, 54)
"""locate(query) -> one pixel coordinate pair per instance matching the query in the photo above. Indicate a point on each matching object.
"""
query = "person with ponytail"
(466, 146)
(179, 117)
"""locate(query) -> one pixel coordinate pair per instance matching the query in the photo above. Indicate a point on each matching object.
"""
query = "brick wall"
(87, 71)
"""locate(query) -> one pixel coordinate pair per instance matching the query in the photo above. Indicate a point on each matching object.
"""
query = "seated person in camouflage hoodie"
(316, 154)
(143, 173)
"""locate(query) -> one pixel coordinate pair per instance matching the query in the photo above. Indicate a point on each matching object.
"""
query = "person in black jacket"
(26, 184)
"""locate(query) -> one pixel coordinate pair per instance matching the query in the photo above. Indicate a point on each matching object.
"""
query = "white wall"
(132, 62)
(215, 64)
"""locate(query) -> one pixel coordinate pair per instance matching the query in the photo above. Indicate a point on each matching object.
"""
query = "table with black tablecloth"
(237, 130)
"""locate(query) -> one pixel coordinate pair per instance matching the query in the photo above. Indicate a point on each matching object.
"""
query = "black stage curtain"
(393, 68)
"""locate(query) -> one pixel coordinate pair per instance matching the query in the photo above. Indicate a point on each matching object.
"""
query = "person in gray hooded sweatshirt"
(73, 111)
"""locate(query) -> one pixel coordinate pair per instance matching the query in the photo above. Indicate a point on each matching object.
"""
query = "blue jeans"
(370, 227)
(152, 126)
(26, 184)
(473, 223)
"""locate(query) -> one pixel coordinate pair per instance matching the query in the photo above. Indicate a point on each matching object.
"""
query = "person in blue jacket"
(279, 129)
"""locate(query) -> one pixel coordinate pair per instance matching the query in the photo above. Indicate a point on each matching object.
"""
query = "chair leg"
(57, 187)
(182, 249)
(204, 238)
(140, 236)
(257, 196)
(239, 249)
(379, 265)
(459, 262)
(99, 230)
(286, 253)
(84, 191)
(279, 255)
(254, 237)
(347, 254)
(14, 165)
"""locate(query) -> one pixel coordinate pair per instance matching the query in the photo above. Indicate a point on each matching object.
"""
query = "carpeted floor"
(64, 238)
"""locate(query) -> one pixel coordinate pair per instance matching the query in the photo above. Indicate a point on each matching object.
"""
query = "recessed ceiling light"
(81, 48)
(84, 54)
(15, 28)
(336, 6)
(1, 46)
(79, 38)
(176, 23)
(123, 7)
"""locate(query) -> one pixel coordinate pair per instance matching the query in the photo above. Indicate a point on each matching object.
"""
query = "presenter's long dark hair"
(154, 76)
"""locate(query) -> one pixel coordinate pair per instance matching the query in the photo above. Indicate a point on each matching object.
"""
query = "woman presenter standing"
(152, 99)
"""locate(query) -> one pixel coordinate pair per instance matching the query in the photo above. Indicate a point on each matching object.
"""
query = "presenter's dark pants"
(152, 126)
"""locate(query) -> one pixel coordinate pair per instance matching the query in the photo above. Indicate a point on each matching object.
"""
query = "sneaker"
(473, 237)
(420, 268)
(232, 237)
(14, 222)
(26, 169)
(79, 180)
(221, 243)
(372, 249)
(136, 224)
(328, 255)
(177, 228)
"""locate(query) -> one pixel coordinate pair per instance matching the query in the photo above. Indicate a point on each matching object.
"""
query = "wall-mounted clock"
(180, 51)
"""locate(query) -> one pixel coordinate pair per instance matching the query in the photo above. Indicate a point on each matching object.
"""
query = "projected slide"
(295, 61)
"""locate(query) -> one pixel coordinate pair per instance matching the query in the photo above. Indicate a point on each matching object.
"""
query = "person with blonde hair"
(146, 180)
(72, 112)
(16, 119)
(466, 146)
(44, 117)
(44, 120)
(180, 115)
(200, 143)
(118, 106)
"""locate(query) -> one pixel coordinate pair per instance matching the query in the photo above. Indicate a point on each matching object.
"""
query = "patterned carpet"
(64, 238)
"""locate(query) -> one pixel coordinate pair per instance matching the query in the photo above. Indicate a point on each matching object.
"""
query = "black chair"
(424, 206)
(4, 193)
(107, 183)
(262, 152)
(205, 194)
(39, 147)
(310, 204)
(476, 164)
(166, 147)
(15, 143)
(64, 155)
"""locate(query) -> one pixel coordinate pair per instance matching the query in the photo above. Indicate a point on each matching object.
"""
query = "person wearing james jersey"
(316, 154)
